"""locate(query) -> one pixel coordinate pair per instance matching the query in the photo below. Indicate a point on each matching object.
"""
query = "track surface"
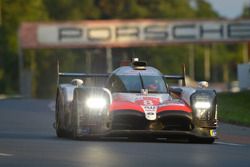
(27, 139)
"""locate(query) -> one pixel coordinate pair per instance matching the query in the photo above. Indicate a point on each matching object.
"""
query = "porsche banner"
(130, 33)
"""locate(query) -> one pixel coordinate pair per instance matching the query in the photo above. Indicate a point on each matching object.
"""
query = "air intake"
(138, 65)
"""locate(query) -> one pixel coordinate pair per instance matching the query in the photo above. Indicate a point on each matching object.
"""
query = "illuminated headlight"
(96, 102)
(202, 105)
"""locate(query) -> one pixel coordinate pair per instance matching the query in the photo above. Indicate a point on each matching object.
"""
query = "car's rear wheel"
(59, 132)
(59, 104)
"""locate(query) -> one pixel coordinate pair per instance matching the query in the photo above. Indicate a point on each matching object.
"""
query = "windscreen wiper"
(142, 84)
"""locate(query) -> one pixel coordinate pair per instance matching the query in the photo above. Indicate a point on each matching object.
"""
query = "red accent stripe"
(175, 108)
(125, 105)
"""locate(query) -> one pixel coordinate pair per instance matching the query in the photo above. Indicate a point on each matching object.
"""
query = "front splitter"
(200, 133)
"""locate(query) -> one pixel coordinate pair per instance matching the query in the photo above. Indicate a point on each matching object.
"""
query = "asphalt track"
(27, 139)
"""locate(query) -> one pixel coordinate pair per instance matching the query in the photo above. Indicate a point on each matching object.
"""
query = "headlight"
(202, 109)
(96, 102)
(202, 105)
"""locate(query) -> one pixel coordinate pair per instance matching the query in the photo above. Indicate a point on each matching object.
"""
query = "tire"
(59, 131)
(75, 126)
(201, 140)
(75, 131)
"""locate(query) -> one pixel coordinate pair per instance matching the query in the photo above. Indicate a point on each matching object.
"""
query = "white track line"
(229, 144)
(5, 155)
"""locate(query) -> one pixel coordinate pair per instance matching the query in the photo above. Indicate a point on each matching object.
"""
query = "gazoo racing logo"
(150, 112)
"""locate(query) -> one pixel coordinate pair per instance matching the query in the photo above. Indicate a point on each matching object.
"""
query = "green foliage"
(246, 11)
(204, 10)
(234, 107)
(159, 9)
(13, 13)
(71, 10)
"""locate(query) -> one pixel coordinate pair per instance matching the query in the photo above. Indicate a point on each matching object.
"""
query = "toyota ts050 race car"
(136, 101)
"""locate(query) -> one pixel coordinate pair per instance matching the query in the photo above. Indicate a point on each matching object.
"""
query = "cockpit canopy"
(135, 83)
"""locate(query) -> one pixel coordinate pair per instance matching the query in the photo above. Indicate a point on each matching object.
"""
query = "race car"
(135, 101)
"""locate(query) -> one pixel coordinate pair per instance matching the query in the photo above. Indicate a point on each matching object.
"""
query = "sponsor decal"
(173, 103)
(213, 133)
(147, 101)
(85, 131)
(131, 33)
(150, 112)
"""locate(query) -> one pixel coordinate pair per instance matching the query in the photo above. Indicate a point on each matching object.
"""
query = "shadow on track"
(43, 136)
(26, 136)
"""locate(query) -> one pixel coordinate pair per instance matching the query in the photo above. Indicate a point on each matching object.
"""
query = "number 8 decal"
(148, 103)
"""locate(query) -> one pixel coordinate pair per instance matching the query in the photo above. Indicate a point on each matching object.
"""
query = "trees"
(13, 12)
(246, 11)
(63, 10)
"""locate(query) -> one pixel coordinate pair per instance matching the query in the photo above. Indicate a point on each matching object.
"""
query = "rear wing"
(77, 75)
(178, 77)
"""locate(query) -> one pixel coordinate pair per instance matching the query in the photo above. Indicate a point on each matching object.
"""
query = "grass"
(234, 107)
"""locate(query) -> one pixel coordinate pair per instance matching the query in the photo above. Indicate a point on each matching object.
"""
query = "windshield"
(134, 83)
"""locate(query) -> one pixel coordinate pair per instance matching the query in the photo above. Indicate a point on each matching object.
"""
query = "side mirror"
(176, 91)
(77, 82)
(203, 84)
